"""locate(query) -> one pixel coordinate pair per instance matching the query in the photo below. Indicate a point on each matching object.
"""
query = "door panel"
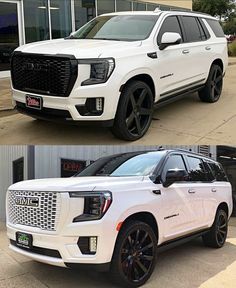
(180, 210)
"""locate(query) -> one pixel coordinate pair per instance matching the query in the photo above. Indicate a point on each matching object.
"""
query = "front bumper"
(70, 105)
(62, 249)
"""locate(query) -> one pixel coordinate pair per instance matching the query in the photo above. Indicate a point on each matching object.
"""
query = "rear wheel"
(212, 91)
(134, 112)
(216, 237)
(134, 255)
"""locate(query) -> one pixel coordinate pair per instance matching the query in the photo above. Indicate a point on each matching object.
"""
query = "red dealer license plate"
(34, 102)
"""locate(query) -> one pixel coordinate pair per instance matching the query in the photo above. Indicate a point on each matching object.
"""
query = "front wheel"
(134, 112)
(216, 237)
(213, 88)
(134, 255)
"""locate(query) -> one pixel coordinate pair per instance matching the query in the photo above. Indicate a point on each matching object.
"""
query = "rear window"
(217, 29)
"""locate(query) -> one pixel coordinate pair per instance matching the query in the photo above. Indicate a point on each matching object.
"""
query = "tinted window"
(192, 30)
(171, 24)
(118, 27)
(129, 164)
(215, 26)
(196, 169)
(174, 162)
(202, 32)
(217, 171)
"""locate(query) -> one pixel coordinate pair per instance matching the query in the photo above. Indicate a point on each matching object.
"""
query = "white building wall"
(8, 154)
(48, 158)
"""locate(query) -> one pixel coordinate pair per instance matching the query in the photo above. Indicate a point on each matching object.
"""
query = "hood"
(74, 183)
(80, 48)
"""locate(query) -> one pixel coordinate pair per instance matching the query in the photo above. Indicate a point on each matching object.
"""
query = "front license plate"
(34, 102)
(24, 240)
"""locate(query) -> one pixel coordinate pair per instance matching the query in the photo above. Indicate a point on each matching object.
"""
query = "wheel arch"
(146, 217)
(219, 62)
(144, 77)
(224, 206)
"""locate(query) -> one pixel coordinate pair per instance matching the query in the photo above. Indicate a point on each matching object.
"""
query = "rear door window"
(197, 170)
(192, 30)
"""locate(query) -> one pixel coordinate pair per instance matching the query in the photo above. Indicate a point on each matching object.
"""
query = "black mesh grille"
(44, 74)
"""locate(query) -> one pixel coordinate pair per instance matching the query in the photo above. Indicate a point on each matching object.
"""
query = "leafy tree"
(220, 8)
(230, 27)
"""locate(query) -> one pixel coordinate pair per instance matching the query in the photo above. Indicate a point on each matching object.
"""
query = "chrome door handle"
(208, 48)
(213, 190)
(191, 191)
(185, 51)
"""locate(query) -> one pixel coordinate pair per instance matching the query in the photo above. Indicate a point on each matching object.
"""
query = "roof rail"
(190, 11)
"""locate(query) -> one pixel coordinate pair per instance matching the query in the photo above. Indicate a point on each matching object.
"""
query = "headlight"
(96, 204)
(101, 70)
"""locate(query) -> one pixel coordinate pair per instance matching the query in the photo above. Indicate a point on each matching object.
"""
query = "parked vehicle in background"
(119, 211)
(118, 67)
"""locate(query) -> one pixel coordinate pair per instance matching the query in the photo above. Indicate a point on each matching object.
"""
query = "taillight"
(96, 205)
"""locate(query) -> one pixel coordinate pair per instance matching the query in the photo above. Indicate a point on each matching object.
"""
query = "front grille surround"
(44, 217)
(50, 75)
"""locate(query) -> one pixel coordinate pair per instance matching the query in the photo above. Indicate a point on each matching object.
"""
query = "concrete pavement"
(190, 265)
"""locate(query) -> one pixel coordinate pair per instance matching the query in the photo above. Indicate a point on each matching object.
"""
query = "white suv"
(118, 67)
(119, 211)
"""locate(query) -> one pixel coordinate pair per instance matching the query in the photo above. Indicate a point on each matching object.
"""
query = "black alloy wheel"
(135, 255)
(222, 229)
(217, 235)
(135, 111)
(213, 89)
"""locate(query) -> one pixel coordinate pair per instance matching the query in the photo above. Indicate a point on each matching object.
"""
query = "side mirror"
(175, 175)
(169, 39)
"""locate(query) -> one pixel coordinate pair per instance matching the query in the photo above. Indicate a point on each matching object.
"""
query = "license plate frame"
(34, 102)
(24, 240)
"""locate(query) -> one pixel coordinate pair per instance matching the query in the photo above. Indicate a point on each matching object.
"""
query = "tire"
(216, 237)
(130, 267)
(134, 112)
(212, 91)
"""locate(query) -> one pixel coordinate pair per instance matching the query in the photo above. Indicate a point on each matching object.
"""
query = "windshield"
(129, 164)
(116, 27)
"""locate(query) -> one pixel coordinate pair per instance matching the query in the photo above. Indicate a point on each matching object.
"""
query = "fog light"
(99, 104)
(93, 244)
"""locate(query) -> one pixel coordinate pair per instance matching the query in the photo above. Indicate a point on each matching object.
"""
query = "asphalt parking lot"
(187, 121)
(190, 265)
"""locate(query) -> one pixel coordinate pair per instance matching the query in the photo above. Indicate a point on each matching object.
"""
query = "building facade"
(19, 163)
(26, 21)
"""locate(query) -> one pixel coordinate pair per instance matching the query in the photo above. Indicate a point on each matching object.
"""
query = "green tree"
(220, 8)
(230, 27)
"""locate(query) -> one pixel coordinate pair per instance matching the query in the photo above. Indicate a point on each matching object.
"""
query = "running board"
(177, 96)
(179, 241)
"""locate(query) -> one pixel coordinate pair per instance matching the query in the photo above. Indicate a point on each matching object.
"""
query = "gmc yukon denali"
(119, 211)
(118, 67)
